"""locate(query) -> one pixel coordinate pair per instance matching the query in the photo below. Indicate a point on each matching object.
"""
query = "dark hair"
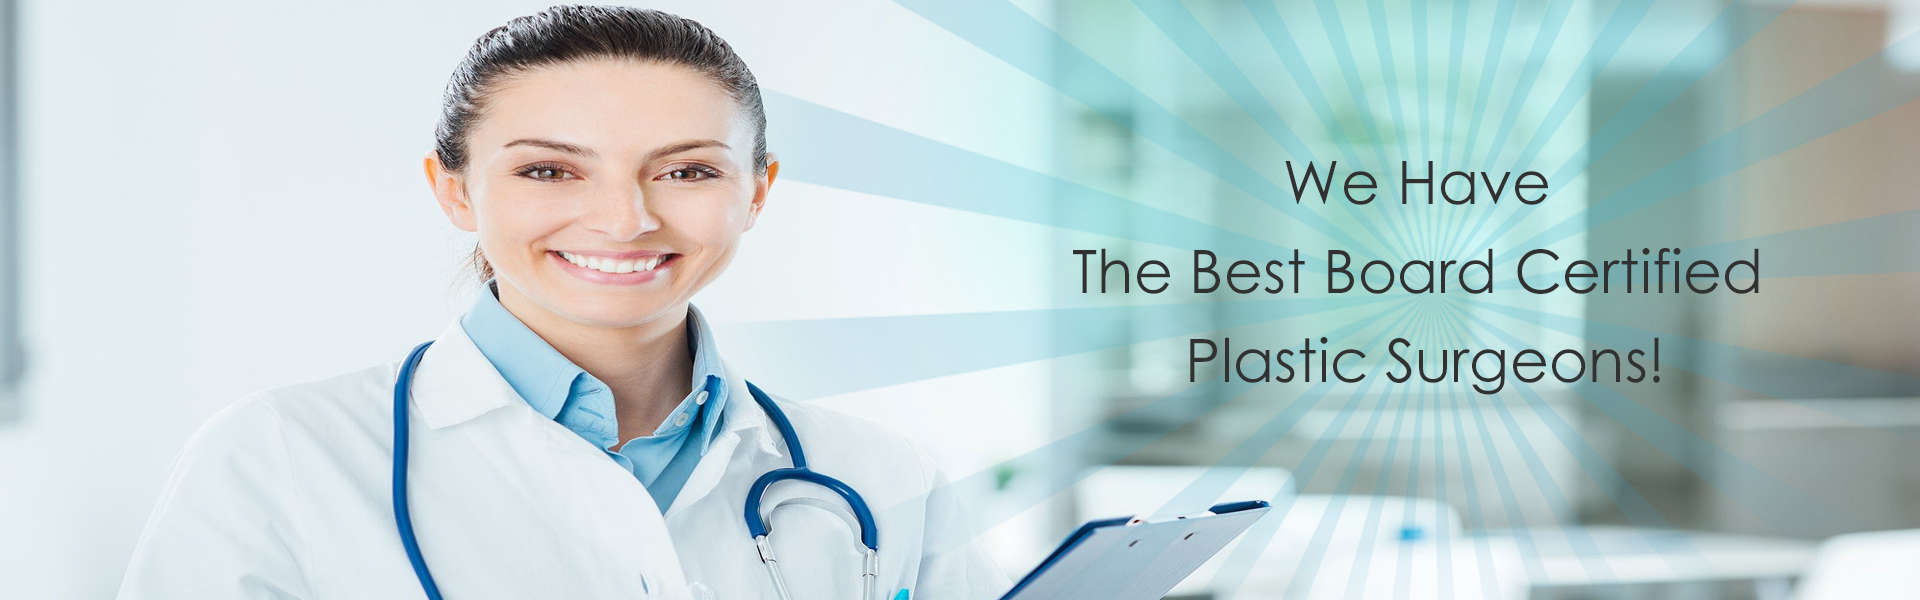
(574, 33)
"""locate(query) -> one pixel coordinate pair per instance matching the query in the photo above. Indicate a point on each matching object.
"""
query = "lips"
(615, 265)
(631, 268)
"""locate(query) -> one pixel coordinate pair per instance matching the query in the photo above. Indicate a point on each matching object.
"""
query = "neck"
(647, 366)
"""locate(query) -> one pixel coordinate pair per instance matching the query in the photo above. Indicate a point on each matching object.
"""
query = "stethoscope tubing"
(403, 516)
(755, 520)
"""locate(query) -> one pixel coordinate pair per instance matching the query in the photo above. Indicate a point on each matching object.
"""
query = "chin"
(615, 309)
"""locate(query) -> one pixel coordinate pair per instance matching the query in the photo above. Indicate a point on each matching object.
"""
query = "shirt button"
(681, 419)
(700, 399)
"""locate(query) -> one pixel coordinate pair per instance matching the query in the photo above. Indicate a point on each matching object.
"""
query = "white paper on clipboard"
(1118, 559)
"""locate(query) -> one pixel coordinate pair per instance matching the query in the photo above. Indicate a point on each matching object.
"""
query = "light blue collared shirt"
(564, 392)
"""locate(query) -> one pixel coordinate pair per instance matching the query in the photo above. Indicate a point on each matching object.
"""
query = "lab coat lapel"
(470, 409)
(747, 437)
(454, 382)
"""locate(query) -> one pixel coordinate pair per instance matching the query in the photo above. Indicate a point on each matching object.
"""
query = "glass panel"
(11, 361)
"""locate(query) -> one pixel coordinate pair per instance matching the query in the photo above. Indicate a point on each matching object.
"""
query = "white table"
(1628, 555)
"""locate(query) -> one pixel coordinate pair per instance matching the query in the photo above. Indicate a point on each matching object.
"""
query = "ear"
(450, 191)
(761, 187)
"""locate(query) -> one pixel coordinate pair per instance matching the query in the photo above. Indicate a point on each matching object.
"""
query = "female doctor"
(575, 434)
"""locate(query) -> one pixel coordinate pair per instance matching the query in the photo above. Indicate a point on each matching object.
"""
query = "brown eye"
(544, 172)
(691, 173)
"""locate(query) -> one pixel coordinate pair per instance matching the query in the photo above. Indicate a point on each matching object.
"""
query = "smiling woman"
(576, 433)
(590, 175)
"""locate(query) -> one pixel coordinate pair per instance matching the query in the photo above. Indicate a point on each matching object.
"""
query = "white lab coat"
(286, 494)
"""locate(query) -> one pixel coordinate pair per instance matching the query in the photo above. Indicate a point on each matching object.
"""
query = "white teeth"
(608, 265)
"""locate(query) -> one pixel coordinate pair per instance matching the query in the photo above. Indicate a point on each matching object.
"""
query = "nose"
(622, 214)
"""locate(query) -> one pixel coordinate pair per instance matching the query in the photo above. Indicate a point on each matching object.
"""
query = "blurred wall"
(1857, 466)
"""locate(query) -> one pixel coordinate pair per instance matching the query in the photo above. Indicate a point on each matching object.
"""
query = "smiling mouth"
(614, 265)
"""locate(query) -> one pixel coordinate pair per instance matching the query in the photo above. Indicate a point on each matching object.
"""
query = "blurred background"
(206, 199)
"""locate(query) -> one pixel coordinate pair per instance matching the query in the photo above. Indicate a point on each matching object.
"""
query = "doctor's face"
(607, 192)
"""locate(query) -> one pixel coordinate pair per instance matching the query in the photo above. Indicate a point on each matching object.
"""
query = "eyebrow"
(551, 145)
(685, 146)
(581, 151)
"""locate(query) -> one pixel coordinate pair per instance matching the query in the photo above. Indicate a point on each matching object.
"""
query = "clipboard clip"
(1217, 509)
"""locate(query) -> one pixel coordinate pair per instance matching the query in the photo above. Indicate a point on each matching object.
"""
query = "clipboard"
(1134, 559)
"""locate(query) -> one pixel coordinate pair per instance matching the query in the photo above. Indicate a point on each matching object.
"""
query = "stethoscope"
(860, 517)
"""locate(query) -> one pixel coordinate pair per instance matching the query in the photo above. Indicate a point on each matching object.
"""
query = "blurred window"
(11, 361)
